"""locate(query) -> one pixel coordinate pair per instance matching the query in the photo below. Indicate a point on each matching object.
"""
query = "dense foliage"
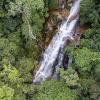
(21, 38)
(53, 90)
(21, 24)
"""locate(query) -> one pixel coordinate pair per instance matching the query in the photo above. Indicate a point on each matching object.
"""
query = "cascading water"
(56, 47)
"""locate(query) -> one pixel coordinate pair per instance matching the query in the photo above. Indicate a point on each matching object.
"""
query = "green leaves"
(97, 72)
(54, 90)
(53, 4)
(84, 58)
(15, 8)
(6, 93)
(70, 77)
(8, 51)
(90, 10)
(9, 74)
(33, 17)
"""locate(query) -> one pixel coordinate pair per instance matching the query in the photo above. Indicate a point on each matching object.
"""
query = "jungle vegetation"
(21, 44)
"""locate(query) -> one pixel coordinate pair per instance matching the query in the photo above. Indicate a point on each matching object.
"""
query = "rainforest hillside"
(26, 29)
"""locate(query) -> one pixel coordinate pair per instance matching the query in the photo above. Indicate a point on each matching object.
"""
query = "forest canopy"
(22, 42)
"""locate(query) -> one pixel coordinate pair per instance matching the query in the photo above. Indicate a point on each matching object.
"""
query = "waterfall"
(56, 47)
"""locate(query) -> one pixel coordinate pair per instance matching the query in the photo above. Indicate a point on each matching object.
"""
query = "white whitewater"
(66, 31)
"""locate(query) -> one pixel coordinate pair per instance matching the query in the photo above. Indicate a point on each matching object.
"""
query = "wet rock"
(65, 61)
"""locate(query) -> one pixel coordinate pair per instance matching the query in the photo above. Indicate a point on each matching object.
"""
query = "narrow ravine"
(55, 50)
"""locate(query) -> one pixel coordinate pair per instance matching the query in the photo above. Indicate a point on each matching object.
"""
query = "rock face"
(53, 23)
(56, 4)
(62, 3)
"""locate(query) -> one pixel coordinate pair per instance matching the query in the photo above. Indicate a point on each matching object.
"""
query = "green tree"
(6, 93)
(54, 90)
